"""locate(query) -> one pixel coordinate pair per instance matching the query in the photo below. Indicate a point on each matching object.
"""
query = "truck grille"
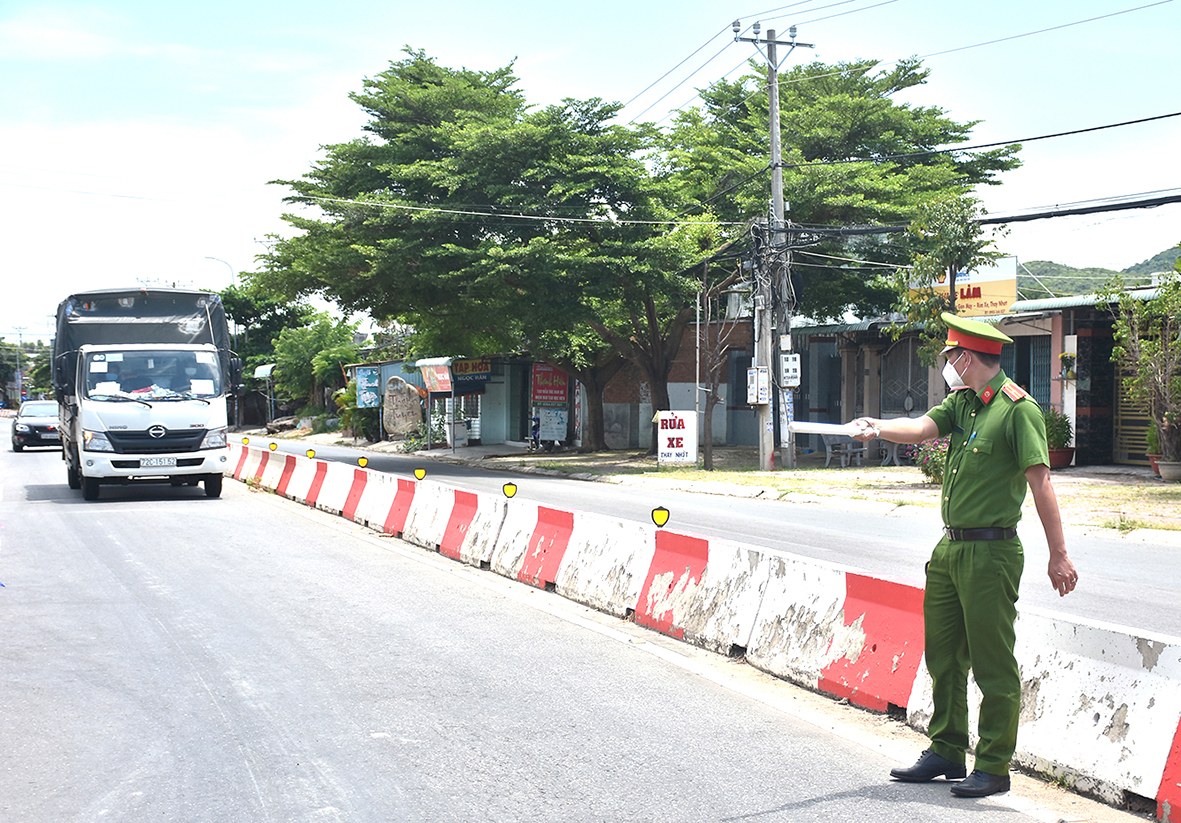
(140, 442)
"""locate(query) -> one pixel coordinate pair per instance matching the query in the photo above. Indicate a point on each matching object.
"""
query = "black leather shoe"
(928, 767)
(981, 784)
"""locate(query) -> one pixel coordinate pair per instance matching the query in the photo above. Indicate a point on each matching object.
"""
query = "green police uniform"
(970, 599)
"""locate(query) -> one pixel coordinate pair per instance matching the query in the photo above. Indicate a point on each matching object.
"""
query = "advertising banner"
(552, 424)
(549, 386)
(988, 289)
(436, 378)
(368, 387)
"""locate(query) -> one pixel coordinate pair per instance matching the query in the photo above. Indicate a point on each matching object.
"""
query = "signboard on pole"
(471, 375)
(368, 387)
(677, 431)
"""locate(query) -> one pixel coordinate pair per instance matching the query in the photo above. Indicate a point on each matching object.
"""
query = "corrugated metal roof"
(1076, 301)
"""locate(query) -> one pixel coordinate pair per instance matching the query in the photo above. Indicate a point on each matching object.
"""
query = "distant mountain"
(1042, 278)
(1159, 262)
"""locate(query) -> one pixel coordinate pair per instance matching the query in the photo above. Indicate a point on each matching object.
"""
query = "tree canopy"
(852, 157)
(487, 225)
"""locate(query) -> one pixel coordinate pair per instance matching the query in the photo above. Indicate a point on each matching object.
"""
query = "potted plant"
(1147, 331)
(1067, 361)
(1059, 433)
(1152, 438)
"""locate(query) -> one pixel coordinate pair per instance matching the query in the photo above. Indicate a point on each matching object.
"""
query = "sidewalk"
(1124, 498)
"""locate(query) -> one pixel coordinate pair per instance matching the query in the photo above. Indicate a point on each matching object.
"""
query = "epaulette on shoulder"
(1014, 391)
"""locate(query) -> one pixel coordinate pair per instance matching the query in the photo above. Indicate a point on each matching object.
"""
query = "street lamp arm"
(233, 275)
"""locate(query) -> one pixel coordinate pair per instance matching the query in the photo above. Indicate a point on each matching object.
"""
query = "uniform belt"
(979, 534)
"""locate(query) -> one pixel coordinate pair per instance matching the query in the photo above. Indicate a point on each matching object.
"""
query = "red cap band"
(973, 343)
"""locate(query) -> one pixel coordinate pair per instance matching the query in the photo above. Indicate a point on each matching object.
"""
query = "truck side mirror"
(64, 377)
(237, 387)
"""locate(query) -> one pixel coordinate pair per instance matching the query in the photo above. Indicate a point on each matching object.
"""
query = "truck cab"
(141, 378)
(146, 411)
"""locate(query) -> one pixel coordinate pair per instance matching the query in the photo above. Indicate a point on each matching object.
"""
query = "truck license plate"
(156, 462)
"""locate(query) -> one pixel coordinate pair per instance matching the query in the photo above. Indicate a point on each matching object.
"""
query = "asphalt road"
(1121, 582)
(170, 657)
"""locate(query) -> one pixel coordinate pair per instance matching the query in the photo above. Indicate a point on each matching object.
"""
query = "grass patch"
(1124, 524)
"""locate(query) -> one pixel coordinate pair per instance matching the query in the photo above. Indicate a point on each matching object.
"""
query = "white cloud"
(50, 35)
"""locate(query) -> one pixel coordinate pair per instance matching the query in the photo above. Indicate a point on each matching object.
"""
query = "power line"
(897, 228)
(883, 64)
(753, 94)
(981, 146)
(908, 155)
(1045, 30)
(721, 31)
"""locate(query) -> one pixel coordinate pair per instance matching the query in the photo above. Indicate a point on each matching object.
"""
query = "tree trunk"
(595, 377)
(711, 401)
(652, 351)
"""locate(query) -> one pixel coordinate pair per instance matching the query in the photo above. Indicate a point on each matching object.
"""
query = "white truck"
(141, 378)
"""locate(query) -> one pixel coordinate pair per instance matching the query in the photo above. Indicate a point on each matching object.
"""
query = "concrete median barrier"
(605, 563)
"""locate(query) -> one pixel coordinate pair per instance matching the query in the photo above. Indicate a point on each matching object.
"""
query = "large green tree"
(489, 227)
(852, 156)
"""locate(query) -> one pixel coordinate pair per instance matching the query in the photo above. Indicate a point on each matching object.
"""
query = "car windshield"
(152, 375)
(38, 410)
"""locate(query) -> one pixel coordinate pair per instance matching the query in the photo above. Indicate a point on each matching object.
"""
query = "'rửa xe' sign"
(677, 431)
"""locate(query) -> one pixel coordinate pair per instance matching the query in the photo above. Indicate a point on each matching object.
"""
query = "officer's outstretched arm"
(897, 429)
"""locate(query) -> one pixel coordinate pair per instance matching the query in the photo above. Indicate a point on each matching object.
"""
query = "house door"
(1027, 363)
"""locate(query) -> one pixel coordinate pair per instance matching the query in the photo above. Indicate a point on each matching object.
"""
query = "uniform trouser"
(969, 610)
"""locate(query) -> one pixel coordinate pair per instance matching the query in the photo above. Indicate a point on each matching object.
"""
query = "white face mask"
(954, 381)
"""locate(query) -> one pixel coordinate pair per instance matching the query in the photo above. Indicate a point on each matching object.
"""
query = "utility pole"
(20, 374)
(766, 346)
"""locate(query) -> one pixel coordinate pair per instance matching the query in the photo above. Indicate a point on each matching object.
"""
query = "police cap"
(972, 335)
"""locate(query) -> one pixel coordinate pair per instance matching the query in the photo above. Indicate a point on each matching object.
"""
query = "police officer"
(997, 449)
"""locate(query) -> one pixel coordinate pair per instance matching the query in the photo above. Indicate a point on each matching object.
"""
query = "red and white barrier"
(703, 590)
(459, 524)
(1101, 705)
(839, 632)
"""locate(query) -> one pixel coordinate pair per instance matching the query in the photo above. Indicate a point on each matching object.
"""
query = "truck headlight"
(96, 442)
(214, 439)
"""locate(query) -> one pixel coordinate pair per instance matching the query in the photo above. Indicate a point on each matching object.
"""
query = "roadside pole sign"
(677, 431)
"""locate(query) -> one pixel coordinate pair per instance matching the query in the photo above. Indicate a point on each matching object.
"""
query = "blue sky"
(139, 137)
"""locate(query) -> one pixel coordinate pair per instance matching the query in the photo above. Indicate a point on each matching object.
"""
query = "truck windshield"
(152, 375)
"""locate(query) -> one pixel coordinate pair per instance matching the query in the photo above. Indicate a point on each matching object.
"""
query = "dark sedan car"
(35, 424)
